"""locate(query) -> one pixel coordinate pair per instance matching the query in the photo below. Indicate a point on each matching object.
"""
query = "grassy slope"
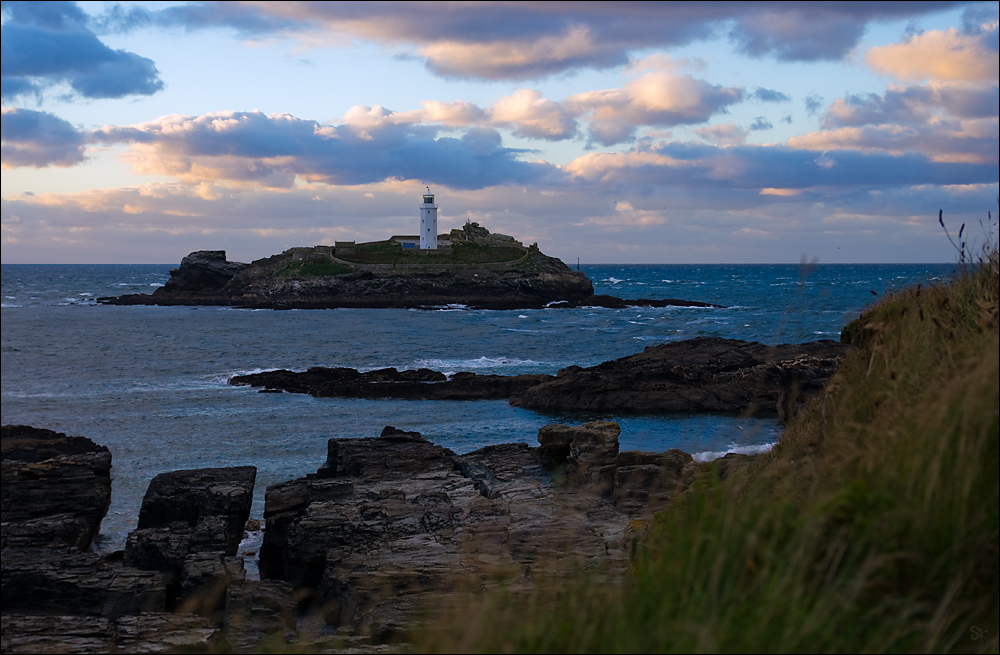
(873, 526)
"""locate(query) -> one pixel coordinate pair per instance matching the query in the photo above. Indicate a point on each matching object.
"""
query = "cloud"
(973, 141)
(372, 144)
(723, 135)
(533, 116)
(49, 43)
(753, 167)
(769, 95)
(813, 103)
(517, 41)
(913, 104)
(37, 139)
(941, 55)
(761, 123)
(499, 60)
(661, 98)
(658, 98)
(706, 220)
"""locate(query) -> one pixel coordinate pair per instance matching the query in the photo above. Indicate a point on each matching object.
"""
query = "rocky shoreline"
(282, 282)
(354, 555)
(706, 374)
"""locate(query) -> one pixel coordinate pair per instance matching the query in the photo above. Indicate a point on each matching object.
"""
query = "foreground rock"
(387, 532)
(707, 374)
(56, 595)
(56, 489)
(179, 588)
(425, 384)
(190, 527)
(393, 526)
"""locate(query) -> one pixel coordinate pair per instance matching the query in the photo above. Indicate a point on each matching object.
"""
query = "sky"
(683, 132)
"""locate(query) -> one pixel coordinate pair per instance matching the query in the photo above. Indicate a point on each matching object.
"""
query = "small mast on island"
(428, 222)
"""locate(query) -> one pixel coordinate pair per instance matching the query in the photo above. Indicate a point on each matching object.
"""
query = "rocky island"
(473, 267)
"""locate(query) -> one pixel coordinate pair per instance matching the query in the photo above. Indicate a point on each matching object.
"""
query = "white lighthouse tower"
(428, 222)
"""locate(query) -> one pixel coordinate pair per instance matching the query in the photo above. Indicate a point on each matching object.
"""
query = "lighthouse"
(428, 222)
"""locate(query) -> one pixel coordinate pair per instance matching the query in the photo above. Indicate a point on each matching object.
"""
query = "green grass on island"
(388, 252)
(313, 268)
(871, 526)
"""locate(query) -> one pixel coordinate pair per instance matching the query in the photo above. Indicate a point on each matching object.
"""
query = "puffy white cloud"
(661, 98)
(940, 54)
(533, 116)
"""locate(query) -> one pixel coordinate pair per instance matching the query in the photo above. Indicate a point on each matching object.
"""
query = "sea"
(150, 383)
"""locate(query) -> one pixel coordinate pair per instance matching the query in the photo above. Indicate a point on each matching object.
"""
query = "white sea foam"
(449, 366)
(9, 304)
(710, 455)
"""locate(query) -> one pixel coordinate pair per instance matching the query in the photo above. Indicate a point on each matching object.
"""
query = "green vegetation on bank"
(872, 526)
(313, 268)
(387, 252)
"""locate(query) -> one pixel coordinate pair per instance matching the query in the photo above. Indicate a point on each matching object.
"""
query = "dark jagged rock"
(391, 526)
(204, 271)
(697, 375)
(190, 527)
(706, 374)
(588, 451)
(66, 581)
(56, 489)
(56, 598)
(387, 528)
(644, 480)
(425, 384)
